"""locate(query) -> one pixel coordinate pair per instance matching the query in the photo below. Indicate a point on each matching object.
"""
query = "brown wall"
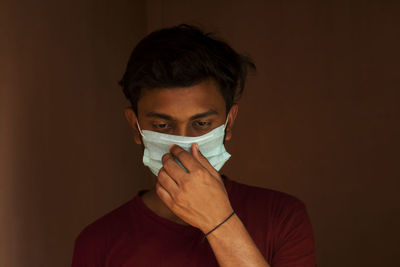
(65, 151)
(318, 119)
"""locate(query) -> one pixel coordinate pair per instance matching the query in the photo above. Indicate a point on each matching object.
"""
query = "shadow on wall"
(66, 148)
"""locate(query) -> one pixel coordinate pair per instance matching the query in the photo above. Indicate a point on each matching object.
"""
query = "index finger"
(184, 157)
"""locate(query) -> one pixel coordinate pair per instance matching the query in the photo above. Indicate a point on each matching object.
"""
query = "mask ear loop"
(226, 122)
(140, 130)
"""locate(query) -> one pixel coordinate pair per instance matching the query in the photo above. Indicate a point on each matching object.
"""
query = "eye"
(202, 124)
(160, 126)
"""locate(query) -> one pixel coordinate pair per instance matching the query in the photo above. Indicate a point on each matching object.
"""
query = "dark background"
(319, 119)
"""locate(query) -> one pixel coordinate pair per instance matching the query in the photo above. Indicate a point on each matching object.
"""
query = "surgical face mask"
(210, 145)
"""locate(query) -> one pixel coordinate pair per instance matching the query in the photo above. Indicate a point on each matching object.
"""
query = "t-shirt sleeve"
(87, 250)
(294, 239)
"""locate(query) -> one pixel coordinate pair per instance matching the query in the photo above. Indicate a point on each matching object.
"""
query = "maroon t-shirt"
(133, 235)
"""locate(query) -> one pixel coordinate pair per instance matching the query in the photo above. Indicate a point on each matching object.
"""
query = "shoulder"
(279, 218)
(257, 205)
(277, 202)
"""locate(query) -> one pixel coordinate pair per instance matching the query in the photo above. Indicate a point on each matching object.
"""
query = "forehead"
(182, 102)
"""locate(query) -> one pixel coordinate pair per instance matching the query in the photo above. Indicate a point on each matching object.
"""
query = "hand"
(198, 196)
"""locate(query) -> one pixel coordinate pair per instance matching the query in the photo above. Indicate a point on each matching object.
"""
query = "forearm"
(233, 246)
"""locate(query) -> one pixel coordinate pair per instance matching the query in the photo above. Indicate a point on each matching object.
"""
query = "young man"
(183, 85)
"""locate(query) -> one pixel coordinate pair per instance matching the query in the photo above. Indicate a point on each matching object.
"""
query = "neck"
(153, 202)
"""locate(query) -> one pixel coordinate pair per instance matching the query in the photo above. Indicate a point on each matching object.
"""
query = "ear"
(231, 120)
(132, 118)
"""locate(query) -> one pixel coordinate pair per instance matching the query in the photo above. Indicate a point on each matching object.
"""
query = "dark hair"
(183, 56)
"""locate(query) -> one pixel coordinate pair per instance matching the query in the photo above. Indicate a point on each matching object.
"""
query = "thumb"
(203, 160)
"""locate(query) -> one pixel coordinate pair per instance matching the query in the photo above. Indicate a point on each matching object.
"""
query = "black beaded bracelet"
(205, 235)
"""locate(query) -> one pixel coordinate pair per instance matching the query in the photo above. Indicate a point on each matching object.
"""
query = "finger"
(187, 160)
(203, 160)
(164, 195)
(172, 168)
(167, 182)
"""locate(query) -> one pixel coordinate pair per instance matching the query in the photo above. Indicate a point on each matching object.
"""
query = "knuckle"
(179, 197)
(173, 205)
(181, 153)
(199, 172)
(158, 188)
(161, 173)
(186, 186)
(162, 177)
(165, 157)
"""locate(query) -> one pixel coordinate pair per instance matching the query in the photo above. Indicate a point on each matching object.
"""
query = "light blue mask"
(210, 145)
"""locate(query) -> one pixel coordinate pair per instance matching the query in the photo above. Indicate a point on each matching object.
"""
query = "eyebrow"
(170, 118)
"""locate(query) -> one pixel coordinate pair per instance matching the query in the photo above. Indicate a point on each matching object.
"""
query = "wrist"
(226, 223)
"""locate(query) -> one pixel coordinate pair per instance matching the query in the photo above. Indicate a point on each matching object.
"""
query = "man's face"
(184, 111)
